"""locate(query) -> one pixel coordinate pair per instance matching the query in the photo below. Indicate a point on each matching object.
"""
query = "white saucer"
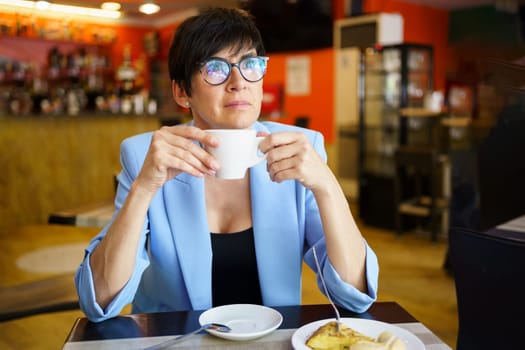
(371, 328)
(247, 321)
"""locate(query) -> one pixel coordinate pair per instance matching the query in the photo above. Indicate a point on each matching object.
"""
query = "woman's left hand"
(290, 156)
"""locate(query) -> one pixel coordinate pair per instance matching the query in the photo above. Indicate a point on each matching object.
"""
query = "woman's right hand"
(172, 151)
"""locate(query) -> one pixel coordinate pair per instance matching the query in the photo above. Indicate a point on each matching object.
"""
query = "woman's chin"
(240, 124)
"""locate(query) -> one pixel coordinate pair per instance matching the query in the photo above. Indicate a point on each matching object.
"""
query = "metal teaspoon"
(215, 326)
(337, 316)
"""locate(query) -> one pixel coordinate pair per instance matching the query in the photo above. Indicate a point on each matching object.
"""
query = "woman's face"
(235, 104)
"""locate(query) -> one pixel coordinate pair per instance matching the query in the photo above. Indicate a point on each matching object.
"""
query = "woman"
(182, 239)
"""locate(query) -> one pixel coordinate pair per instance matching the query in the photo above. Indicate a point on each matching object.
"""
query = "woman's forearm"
(113, 260)
(344, 242)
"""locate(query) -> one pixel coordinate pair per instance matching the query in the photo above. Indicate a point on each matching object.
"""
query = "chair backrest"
(489, 273)
(419, 163)
(52, 294)
(501, 169)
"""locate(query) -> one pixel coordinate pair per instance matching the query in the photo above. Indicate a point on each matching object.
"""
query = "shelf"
(383, 129)
(421, 206)
(456, 122)
(416, 112)
(62, 76)
(58, 41)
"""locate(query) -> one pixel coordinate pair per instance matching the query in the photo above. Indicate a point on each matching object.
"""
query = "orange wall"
(319, 105)
(422, 25)
(128, 35)
(166, 36)
(78, 34)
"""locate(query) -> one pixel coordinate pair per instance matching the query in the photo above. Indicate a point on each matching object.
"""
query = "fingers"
(190, 159)
(191, 133)
(275, 140)
(174, 150)
(187, 153)
(290, 156)
(287, 169)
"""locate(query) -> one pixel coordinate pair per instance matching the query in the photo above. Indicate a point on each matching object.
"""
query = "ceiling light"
(86, 11)
(110, 6)
(42, 5)
(62, 9)
(149, 8)
(18, 3)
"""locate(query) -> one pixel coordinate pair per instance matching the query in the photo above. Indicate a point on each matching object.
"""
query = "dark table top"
(513, 229)
(171, 323)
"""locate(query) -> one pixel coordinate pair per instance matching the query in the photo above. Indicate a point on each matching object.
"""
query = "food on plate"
(385, 341)
(326, 337)
(393, 342)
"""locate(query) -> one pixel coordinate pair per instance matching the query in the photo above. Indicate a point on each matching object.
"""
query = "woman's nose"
(236, 80)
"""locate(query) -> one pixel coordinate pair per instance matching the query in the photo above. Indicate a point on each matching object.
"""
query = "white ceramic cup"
(238, 150)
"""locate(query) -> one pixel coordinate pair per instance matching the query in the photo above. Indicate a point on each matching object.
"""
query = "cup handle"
(256, 158)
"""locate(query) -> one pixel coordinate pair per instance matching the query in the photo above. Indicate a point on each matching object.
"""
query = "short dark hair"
(199, 37)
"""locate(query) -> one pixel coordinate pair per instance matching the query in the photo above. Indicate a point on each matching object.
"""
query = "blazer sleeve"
(131, 158)
(342, 293)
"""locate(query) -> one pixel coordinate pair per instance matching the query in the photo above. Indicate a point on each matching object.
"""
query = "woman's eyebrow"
(249, 54)
(229, 59)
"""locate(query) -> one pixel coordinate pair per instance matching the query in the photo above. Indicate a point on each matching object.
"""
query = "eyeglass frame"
(231, 65)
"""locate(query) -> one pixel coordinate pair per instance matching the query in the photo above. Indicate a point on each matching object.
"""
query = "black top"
(235, 279)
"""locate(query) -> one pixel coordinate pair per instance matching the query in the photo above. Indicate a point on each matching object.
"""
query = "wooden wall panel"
(50, 164)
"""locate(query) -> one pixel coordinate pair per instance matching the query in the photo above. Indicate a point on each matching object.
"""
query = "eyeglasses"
(216, 71)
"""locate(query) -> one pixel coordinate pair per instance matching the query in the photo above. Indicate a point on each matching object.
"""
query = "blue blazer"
(174, 259)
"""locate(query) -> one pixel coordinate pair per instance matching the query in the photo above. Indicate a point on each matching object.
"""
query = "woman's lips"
(238, 104)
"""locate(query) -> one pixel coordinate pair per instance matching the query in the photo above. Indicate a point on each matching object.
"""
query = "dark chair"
(302, 121)
(489, 272)
(502, 169)
(420, 188)
(51, 294)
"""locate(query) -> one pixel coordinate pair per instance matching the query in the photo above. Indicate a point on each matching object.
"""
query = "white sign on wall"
(298, 75)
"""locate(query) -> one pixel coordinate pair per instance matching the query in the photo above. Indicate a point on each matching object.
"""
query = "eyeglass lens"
(217, 70)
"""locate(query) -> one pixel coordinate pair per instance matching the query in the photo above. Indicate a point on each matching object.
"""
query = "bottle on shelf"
(126, 74)
(19, 102)
(75, 82)
(39, 90)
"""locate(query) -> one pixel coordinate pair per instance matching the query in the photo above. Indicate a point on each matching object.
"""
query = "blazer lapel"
(277, 235)
(186, 212)
(277, 238)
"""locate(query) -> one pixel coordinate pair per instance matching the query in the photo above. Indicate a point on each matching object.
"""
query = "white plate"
(247, 321)
(371, 328)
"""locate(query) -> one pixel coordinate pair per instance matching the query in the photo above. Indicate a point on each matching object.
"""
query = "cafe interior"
(421, 104)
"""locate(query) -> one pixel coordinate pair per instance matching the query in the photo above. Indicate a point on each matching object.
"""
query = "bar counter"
(51, 163)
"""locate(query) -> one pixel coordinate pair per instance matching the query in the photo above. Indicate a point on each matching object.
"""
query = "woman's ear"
(179, 95)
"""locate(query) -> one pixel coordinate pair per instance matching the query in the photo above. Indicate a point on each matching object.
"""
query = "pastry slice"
(326, 337)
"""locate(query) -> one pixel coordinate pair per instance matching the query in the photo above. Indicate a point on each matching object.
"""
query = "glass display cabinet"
(393, 78)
